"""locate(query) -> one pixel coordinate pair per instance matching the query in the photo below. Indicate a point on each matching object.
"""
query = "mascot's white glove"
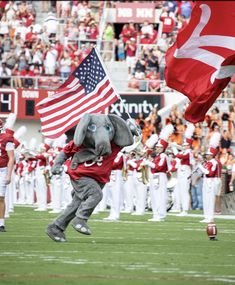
(134, 128)
(132, 163)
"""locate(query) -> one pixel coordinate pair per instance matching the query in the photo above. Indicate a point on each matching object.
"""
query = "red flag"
(202, 60)
(87, 90)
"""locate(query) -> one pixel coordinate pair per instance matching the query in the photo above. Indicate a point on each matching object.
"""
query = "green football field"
(130, 251)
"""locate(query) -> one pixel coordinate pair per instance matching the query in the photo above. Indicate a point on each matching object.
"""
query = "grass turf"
(131, 251)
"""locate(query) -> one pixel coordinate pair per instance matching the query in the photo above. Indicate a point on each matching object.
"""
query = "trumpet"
(143, 175)
(125, 173)
(172, 144)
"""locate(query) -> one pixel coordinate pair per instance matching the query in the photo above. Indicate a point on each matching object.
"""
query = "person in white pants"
(117, 189)
(130, 183)
(211, 185)
(158, 182)
(184, 175)
(41, 183)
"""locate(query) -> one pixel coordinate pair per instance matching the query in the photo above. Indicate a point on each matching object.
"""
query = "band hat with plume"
(214, 144)
(18, 134)
(164, 135)
(10, 121)
(151, 141)
(188, 134)
(59, 142)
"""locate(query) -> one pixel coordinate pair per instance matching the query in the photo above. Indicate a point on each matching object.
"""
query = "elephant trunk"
(103, 148)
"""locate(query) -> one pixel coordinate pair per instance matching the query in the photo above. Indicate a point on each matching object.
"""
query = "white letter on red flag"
(202, 60)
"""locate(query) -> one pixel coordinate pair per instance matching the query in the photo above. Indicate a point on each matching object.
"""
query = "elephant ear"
(123, 136)
(81, 130)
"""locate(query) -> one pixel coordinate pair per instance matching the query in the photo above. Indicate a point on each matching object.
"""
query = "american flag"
(87, 90)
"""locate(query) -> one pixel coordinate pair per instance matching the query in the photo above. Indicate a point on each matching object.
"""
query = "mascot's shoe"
(81, 226)
(55, 233)
(2, 229)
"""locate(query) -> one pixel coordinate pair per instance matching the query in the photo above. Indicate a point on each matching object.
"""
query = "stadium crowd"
(56, 45)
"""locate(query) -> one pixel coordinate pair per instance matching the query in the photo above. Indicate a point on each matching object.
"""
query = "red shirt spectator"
(168, 24)
(93, 31)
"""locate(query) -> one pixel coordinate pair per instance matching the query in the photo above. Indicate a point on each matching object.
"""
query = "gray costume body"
(94, 132)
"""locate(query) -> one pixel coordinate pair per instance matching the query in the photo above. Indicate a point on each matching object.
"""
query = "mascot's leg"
(56, 229)
(90, 192)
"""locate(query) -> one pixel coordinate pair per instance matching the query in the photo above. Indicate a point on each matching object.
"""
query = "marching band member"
(184, 172)
(41, 183)
(10, 121)
(129, 184)
(159, 167)
(117, 191)
(141, 185)
(211, 181)
(56, 181)
(6, 169)
(174, 170)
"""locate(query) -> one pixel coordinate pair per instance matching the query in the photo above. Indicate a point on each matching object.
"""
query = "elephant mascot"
(89, 157)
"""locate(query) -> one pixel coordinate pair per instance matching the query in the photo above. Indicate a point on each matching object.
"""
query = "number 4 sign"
(8, 102)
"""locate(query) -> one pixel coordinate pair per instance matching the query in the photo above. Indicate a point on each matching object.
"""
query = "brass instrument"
(145, 174)
(125, 173)
(172, 144)
(47, 177)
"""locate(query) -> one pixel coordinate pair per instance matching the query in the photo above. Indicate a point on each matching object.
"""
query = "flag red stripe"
(81, 99)
(53, 133)
(58, 125)
(58, 97)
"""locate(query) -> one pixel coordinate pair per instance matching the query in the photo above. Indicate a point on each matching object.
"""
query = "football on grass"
(211, 230)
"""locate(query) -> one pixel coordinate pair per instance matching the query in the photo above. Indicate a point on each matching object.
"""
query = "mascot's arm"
(59, 161)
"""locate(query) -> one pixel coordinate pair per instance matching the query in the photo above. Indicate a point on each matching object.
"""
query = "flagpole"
(114, 88)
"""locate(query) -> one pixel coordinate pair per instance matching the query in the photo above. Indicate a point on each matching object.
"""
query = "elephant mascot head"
(95, 132)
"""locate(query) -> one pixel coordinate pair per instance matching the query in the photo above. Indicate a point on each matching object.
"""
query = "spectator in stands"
(231, 120)
(179, 129)
(148, 130)
(120, 50)
(65, 65)
(226, 140)
(50, 60)
(92, 31)
(26, 75)
(185, 9)
(5, 74)
(152, 61)
(162, 65)
(128, 31)
(140, 64)
(83, 10)
(140, 76)
(108, 38)
(50, 25)
(21, 30)
(156, 120)
(163, 43)
(168, 23)
(63, 9)
(170, 6)
(11, 9)
(4, 25)
(197, 137)
(7, 43)
(38, 54)
(154, 84)
(130, 49)
(82, 35)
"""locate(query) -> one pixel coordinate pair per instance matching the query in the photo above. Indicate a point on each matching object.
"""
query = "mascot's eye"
(92, 127)
(108, 128)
